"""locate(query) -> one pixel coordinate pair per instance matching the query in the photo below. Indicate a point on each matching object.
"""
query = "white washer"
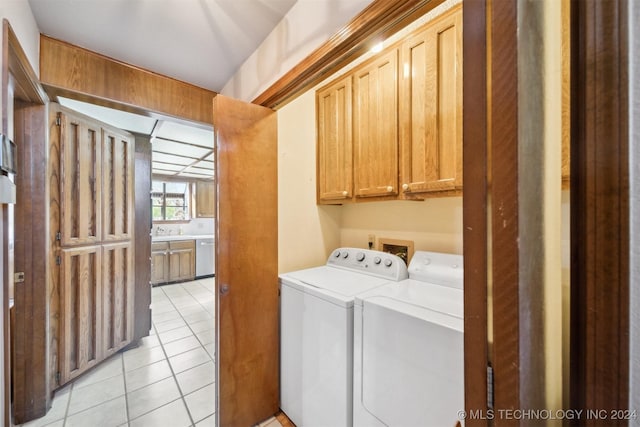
(409, 349)
(316, 333)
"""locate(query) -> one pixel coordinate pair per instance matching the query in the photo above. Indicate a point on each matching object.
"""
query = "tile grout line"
(126, 393)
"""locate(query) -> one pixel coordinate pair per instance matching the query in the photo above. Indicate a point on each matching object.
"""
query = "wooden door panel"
(81, 180)
(335, 141)
(117, 296)
(81, 317)
(118, 156)
(205, 199)
(431, 108)
(375, 123)
(247, 262)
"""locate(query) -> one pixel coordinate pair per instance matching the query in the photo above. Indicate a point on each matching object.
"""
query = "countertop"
(171, 237)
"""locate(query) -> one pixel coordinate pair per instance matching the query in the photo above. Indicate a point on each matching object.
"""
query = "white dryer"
(316, 333)
(409, 349)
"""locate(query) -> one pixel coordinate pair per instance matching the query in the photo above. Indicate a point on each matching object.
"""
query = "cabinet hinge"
(58, 120)
(58, 236)
(489, 386)
(58, 260)
(58, 378)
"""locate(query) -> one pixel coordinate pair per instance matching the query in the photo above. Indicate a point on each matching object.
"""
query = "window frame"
(187, 200)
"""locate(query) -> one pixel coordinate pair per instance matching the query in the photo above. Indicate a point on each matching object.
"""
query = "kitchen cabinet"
(159, 262)
(431, 107)
(334, 149)
(205, 199)
(173, 261)
(375, 127)
(405, 116)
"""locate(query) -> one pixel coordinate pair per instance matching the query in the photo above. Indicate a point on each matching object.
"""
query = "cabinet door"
(335, 146)
(205, 199)
(117, 296)
(81, 315)
(159, 262)
(118, 156)
(80, 177)
(431, 108)
(375, 123)
(182, 260)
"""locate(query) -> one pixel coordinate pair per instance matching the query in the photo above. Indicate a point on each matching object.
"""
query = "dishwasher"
(205, 257)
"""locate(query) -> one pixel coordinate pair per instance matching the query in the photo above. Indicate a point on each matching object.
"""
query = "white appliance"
(409, 349)
(316, 333)
(205, 257)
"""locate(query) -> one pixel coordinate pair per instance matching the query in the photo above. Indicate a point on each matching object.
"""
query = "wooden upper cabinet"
(335, 143)
(81, 189)
(118, 156)
(205, 199)
(375, 127)
(431, 107)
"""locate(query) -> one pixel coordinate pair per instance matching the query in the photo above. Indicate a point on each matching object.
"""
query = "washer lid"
(332, 284)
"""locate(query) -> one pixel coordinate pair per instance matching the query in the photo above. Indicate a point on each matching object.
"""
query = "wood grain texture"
(474, 205)
(431, 107)
(334, 148)
(247, 262)
(117, 299)
(377, 21)
(182, 260)
(599, 208)
(205, 199)
(142, 242)
(31, 387)
(71, 70)
(504, 209)
(159, 262)
(375, 126)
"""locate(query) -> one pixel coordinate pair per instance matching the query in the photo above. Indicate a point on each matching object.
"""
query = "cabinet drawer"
(159, 246)
(182, 244)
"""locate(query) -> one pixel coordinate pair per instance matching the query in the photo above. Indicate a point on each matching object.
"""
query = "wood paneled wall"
(75, 72)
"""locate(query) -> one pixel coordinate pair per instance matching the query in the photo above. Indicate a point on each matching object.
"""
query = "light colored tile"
(175, 334)
(146, 375)
(198, 317)
(191, 309)
(207, 422)
(170, 325)
(173, 414)
(108, 414)
(206, 337)
(150, 341)
(108, 369)
(189, 359)
(203, 325)
(196, 378)
(162, 307)
(141, 356)
(95, 394)
(59, 423)
(180, 346)
(211, 349)
(184, 301)
(201, 403)
(164, 317)
(151, 397)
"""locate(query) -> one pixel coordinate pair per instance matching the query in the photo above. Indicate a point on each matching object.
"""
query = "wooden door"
(205, 199)
(81, 189)
(247, 262)
(80, 311)
(182, 260)
(159, 262)
(375, 127)
(118, 156)
(431, 107)
(117, 296)
(335, 142)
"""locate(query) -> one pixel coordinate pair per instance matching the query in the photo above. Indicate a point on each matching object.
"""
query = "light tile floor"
(167, 381)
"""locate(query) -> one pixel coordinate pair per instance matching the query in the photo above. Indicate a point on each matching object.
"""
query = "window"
(170, 201)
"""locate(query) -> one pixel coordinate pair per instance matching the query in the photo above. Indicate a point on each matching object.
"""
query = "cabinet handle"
(345, 193)
(389, 189)
(405, 187)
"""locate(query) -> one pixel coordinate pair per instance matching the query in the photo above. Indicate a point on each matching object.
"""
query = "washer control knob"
(345, 255)
(388, 262)
(336, 254)
(377, 260)
(360, 256)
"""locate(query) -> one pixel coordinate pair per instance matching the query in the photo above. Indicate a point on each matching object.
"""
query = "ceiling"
(202, 42)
